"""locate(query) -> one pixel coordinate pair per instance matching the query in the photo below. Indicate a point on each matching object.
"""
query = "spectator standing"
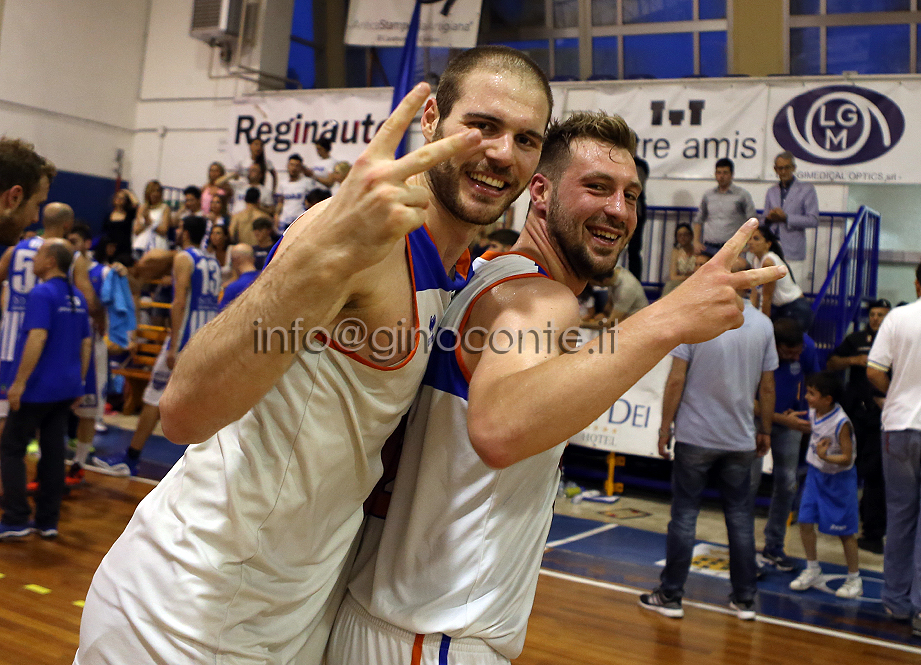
(830, 492)
(681, 263)
(791, 207)
(324, 171)
(897, 348)
(292, 190)
(711, 388)
(219, 248)
(118, 227)
(211, 189)
(864, 404)
(797, 359)
(191, 206)
(783, 298)
(257, 156)
(152, 223)
(255, 178)
(244, 270)
(241, 223)
(723, 210)
(52, 357)
(263, 241)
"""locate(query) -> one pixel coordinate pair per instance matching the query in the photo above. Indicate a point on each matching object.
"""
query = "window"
(862, 36)
(626, 38)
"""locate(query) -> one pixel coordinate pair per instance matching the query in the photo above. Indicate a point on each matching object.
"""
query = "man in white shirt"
(897, 349)
(291, 192)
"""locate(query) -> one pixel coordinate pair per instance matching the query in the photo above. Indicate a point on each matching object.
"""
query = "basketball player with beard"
(450, 575)
(240, 553)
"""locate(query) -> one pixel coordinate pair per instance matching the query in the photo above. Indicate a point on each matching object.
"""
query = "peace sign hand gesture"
(375, 207)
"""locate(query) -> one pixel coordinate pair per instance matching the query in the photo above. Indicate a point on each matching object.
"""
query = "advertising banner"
(847, 132)
(442, 23)
(290, 124)
(631, 425)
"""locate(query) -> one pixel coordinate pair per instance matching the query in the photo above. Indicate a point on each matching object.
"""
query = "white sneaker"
(806, 579)
(852, 588)
(108, 468)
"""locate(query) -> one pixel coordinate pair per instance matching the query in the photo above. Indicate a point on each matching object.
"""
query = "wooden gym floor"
(576, 620)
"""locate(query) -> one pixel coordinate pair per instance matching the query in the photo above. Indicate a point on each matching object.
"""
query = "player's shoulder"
(533, 297)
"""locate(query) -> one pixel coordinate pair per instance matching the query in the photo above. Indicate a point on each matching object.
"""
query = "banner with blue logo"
(844, 133)
(838, 130)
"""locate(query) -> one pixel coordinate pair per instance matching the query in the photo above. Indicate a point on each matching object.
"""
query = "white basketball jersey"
(828, 427)
(461, 545)
(242, 550)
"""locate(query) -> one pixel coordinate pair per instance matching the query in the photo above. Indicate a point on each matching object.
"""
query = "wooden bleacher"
(136, 369)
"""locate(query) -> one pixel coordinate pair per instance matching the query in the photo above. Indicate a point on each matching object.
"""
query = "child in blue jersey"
(830, 492)
(52, 357)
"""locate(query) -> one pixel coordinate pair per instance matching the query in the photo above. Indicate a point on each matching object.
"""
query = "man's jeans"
(902, 557)
(689, 477)
(785, 445)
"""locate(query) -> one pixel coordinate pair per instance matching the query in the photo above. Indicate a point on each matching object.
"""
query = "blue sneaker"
(14, 531)
(113, 465)
(46, 531)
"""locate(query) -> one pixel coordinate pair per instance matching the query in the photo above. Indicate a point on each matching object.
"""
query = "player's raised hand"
(711, 304)
(375, 206)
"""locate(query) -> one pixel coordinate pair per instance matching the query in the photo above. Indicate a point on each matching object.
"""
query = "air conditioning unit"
(216, 21)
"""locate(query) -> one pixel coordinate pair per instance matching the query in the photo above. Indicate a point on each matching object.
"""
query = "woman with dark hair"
(682, 263)
(783, 298)
(119, 225)
(257, 156)
(219, 248)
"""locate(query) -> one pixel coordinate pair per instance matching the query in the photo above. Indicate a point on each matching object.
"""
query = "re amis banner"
(442, 23)
(858, 130)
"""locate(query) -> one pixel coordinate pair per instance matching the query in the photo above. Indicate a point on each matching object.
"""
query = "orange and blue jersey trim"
(442, 650)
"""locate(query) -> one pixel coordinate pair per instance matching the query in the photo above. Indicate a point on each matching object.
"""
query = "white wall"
(69, 75)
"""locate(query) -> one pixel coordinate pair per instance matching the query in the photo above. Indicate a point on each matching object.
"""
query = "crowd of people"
(249, 547)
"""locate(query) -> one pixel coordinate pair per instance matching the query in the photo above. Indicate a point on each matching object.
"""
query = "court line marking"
(760, 617)
(580, 536)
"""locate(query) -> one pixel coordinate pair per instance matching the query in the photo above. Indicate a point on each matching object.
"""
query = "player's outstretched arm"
(522, 403)
(318, 267)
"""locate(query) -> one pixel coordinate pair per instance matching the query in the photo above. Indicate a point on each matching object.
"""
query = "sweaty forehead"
(593, 155)
(506, 93)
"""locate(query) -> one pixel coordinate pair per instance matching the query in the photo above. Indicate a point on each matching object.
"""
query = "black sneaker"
(916, 625)
(657, 602)
(780, 561)
(745, 610)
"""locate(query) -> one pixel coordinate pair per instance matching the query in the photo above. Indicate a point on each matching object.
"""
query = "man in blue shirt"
(791, 207)
(241, 260)
(709, 395)
(798, 359)
(53, 355)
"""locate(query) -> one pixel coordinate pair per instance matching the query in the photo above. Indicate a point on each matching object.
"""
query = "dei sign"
(853, 132)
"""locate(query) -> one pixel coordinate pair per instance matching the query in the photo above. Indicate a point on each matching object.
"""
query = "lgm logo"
(839, 124)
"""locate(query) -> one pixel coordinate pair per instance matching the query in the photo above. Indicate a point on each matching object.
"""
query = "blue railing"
(850, 282)
(842, 254)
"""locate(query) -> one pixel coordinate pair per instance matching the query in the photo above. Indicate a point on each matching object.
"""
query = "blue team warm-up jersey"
(59, 308)
(201, 304)
(21, 281)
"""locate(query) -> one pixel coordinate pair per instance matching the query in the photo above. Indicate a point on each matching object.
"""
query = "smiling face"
(816, 400)
(591, 215)
(511, 112)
